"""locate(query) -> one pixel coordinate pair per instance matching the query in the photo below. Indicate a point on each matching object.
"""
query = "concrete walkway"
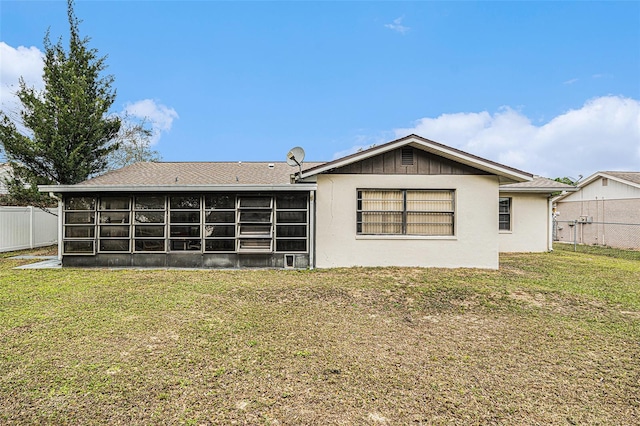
(46, 262)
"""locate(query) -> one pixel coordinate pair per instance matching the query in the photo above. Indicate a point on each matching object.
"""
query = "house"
(5, 173)
(605, 210)
(409, 202)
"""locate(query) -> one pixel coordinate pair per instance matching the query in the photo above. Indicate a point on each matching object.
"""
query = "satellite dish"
(295, 156)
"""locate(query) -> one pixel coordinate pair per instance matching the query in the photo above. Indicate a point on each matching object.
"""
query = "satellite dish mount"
(295, 157)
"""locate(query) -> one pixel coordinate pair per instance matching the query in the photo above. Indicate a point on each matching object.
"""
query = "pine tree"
(68, 128)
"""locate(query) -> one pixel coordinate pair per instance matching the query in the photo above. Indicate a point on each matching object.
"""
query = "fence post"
(32, 224)
(575, 235)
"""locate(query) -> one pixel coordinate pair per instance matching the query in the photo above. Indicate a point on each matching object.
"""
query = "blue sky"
(549, 87)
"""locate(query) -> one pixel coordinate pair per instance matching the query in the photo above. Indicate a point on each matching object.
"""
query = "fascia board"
(538, 190)
(475, 162)
(175, 188)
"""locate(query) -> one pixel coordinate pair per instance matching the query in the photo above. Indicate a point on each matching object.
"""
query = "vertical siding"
(26, 227)
(424, 163)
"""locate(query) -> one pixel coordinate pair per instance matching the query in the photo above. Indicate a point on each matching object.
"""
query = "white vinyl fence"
(27, 227)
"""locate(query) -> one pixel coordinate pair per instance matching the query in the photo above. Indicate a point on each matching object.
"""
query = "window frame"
(509, 214)
(88, 207)
(141, 242)
(405, 214)
(105, 209)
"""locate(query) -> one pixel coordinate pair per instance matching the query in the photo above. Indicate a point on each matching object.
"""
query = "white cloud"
(604, 134)
(571, 81)
(25, 62)
(159, 116)
(397, 25)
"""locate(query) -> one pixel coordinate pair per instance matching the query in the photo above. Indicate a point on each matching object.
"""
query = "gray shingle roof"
(198, 173)
(538, 183)
(628, 176)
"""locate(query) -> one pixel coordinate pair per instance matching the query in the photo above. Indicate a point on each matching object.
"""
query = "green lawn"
(550, 338)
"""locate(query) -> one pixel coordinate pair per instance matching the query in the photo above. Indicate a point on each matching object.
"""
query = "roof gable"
(628, 178)
(631, 179)
(504, 172)
(407, 160)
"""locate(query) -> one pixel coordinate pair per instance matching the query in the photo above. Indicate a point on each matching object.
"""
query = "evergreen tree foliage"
(64, 133)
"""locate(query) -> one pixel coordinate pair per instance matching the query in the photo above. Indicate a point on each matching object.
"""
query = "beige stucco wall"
(530, 218)
(475, 243)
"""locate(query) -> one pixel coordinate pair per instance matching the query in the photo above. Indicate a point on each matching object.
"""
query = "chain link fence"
(606, 234)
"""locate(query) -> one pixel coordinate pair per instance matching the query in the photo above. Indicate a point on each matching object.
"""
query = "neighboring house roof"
(508, 173)
(175, 176)
(628, 178)
(538, 184)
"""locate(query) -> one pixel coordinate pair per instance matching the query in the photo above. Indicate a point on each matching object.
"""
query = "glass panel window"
(185, 231)
(381, 223)
(149, 203)
(255, 216)
(80, 203)
(83, 247)
(220, 217)
(114, 217)
(185, 245)
(149, 217)
(291, 245)
(253, 202)
(220, 231)
(114, 231)
(264, 230)
(291, 201)
(291, 217)
(79, 231)
(405, 212)
(504, 218)
(380, 200)
(220, 245)
(185, 202)
(220, 201)
(149, 245)
(184, 217)
(291, 231)
(148, 231)
(255, 244)
(114, 245)
(79, 218)
(429, 223)
(114, 203)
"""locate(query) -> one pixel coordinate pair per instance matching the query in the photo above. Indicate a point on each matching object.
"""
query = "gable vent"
(407, 156)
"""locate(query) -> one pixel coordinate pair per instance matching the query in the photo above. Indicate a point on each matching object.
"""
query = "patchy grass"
(550, 338)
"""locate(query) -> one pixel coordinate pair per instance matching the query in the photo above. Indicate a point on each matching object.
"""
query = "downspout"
(549, 224)
(312, 229)
(60, 228)
(604, 225)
